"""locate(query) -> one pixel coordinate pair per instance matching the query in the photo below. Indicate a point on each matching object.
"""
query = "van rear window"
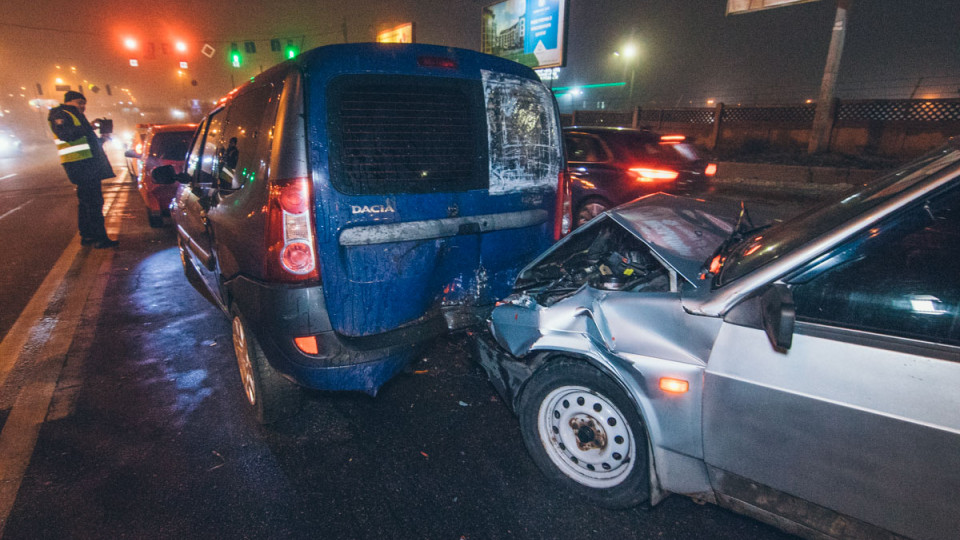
(403, 134)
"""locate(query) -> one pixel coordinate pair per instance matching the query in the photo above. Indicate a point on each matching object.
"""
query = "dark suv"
(348, 205)
(610, 166)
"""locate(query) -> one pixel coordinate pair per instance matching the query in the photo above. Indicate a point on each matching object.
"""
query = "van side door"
(195, 200)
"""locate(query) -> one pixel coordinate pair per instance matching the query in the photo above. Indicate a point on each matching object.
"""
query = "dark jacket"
(95, 168)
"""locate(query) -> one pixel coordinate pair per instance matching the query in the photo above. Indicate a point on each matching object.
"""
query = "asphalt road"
(123, 417)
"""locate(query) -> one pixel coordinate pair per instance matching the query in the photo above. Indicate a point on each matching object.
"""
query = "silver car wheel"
(586, 436)
(243, 360)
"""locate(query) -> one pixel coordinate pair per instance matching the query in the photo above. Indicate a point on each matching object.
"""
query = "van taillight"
(437, 62)
(563, 217)
(291, 246)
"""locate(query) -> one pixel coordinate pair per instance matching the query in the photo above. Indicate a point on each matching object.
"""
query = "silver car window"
(902, 277)
(757, 250)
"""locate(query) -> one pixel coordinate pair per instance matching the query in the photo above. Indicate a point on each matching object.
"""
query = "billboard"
(532, 32)
(399, 34)
(744, 6)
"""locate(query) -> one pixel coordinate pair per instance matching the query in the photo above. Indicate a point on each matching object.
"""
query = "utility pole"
(826, 105)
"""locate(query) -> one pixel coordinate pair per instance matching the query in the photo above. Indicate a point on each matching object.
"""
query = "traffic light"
(291, 50)
(235, 58)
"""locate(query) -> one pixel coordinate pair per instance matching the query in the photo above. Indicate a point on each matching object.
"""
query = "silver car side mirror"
(778, 313)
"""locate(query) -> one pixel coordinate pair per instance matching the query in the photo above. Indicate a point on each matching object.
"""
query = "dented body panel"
(821, 427)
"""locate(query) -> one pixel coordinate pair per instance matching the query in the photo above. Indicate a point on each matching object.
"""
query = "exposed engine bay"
(609, 258)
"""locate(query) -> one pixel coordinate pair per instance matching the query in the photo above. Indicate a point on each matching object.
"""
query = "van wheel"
(584, 434)
(270, 395)
(590, 209)
(155, 220)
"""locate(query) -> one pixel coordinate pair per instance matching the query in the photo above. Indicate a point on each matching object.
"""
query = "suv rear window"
(171, 146)
(402, 134)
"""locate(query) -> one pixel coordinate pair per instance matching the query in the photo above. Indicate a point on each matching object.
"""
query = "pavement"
(123, 417)
(790, 179)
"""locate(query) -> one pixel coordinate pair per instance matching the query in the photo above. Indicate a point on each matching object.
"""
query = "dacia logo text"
(372, 209)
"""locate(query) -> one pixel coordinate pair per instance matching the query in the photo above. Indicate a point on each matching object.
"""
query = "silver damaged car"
(805, 373)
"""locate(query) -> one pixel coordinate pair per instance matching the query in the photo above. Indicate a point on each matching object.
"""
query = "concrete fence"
(901, 129)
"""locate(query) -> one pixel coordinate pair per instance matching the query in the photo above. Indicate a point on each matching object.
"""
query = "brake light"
(672, 138)
(563, 216)
(654, 175)
(291, 251)
(437, 62)
(711, 169)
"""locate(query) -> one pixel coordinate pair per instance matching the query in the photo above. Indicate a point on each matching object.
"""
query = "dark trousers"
(90, 210)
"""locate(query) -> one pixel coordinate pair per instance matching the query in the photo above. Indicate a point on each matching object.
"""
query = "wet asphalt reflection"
(148, 436)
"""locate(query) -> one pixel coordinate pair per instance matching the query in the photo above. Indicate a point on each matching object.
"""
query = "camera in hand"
(105, 125)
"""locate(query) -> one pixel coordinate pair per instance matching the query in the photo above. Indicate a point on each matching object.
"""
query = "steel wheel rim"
(594, 447)
(242, 352)
(590, 211)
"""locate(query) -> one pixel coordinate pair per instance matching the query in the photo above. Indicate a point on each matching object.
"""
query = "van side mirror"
(778, 313)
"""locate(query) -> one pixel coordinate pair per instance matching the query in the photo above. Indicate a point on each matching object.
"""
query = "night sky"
(689, 50)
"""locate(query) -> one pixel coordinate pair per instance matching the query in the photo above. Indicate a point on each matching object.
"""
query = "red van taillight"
(291, 246)
(563, 217)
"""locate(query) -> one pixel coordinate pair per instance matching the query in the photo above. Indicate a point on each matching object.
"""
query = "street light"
(629, 54)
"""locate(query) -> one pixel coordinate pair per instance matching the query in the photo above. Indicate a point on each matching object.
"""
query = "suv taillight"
(291, 246)
(563, 217)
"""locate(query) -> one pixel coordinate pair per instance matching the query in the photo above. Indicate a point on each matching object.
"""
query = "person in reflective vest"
(86, 165)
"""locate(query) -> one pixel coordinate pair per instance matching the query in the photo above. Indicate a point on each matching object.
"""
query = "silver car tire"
(267, 392)
(583, 432)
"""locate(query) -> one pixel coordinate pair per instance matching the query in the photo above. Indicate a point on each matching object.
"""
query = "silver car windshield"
(759, 249)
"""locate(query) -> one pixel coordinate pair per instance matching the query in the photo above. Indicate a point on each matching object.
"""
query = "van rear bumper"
(278, 314)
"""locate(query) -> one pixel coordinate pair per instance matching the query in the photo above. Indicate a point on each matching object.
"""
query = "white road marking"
(5, 214)
(40, 339)
(11, 175)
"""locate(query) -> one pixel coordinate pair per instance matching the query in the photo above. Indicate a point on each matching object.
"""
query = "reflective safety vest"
(75, 150)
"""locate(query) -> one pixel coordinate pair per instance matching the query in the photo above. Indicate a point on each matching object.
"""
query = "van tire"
(585, 434)
(155, 220)
(267, 392)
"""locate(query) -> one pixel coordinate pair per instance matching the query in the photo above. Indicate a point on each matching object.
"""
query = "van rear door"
(441, 188)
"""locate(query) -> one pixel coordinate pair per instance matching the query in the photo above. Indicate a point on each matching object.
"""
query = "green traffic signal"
(291, 51)
(235, 59)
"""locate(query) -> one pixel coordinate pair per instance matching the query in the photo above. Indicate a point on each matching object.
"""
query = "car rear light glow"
(437, 62)
(654, 175)
(711, 169)
(672, 139)
(563, 216)
(674, 386)
(290, 240)
(307, 344)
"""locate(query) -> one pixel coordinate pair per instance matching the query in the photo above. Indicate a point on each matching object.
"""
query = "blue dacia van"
(347, 205)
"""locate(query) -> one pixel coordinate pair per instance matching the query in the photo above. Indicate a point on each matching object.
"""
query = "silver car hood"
(682, 231)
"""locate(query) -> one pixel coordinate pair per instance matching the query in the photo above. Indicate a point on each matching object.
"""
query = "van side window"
(209, 160)
(900, 278)
(193, 158)
(246, 138)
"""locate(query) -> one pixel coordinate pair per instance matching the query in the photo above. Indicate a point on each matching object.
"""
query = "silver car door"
(861, 415)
